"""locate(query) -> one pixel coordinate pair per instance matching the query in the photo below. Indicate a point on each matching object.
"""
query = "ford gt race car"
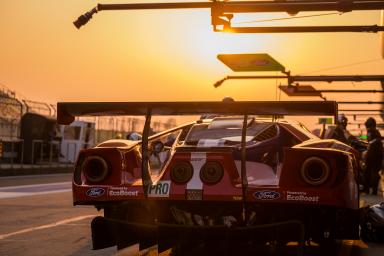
(233, 179)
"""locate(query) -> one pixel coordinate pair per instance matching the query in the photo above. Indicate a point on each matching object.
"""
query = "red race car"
(234, 177)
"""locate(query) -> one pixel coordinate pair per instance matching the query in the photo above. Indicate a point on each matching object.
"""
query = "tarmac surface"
(37, 218)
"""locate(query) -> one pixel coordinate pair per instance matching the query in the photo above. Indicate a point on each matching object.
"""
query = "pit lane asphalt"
(48, 224)
(45, 222)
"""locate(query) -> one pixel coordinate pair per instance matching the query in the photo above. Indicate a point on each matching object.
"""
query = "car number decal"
(160, 189)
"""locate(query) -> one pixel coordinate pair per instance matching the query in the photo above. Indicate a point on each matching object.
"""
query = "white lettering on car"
(122, 191)
(160, 189)
(301, 196)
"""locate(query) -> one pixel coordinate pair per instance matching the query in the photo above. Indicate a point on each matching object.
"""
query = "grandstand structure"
(11, 111)
(12, 108)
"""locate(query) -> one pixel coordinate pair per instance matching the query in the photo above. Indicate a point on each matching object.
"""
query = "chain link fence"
(38, 143)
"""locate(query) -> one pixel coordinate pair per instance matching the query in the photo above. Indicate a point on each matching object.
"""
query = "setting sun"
(163, 54)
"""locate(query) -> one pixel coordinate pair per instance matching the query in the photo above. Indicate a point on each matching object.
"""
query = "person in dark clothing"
(374, 156)
(339, 133)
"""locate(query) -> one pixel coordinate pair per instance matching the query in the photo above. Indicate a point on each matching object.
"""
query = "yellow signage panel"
(300, 90)
(327, 120)
(250, 62)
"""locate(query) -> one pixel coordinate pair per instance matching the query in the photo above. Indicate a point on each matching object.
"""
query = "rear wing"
(67, 111)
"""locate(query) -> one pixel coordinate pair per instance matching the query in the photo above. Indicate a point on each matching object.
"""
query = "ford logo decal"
(266, 195)
(95, 192)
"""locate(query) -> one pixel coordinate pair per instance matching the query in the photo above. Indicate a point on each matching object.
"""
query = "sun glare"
(210, 44)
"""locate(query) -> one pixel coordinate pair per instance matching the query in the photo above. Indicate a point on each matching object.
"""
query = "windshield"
(222, 132)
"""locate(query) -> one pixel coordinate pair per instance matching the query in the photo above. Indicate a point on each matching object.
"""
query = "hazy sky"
(161, 55)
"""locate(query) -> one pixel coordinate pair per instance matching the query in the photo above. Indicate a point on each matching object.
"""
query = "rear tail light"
(211, 173)
(315, 171)
(181, 172)
(95, 169)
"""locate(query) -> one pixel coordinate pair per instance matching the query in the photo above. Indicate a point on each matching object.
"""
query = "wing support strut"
(145, 175)
(243, 171)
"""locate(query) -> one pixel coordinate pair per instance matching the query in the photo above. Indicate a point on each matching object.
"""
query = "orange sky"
(162, 55)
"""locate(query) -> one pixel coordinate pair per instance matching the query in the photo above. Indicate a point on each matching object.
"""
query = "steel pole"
(341, 91)
(292, 79)
(361, 102)
(360, 110)
(254, 6)
(304, 29)
(337, 78)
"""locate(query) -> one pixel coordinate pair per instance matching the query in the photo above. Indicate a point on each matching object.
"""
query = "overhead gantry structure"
(297, 78)
(295, 89)
(222, 13)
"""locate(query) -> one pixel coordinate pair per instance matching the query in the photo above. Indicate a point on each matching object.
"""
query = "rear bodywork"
(233, 177)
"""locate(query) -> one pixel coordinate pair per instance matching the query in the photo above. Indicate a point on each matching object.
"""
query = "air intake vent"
(268, 133)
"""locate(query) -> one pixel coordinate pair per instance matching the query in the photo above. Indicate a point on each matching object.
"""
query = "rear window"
(228, 132)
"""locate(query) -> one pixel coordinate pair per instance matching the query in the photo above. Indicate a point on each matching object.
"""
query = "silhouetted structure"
(38, 132)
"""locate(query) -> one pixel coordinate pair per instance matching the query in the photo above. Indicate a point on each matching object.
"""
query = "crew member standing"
(340, 133)
(373, 157)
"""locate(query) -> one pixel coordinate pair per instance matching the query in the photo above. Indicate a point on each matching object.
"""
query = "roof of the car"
(293, 126)
(236, 119)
